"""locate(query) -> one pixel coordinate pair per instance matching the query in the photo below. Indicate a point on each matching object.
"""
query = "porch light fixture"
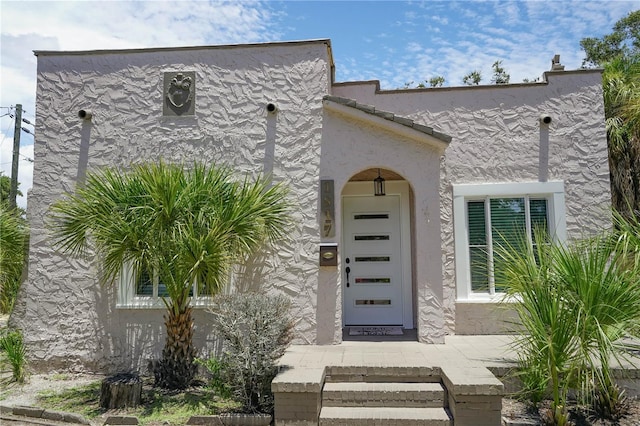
(378, 185)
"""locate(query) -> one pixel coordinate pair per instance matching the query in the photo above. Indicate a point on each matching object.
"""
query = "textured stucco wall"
(497, 138)
(68, 319)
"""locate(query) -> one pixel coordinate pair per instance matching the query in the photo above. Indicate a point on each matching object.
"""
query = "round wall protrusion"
(545, 119)
(84, 114)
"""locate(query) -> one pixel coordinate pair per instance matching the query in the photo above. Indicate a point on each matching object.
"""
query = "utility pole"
(17, 129)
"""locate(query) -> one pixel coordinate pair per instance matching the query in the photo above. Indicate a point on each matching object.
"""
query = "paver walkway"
(493, 352)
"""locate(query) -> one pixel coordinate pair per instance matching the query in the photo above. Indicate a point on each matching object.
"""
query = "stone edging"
(41, 413)
(37, 413)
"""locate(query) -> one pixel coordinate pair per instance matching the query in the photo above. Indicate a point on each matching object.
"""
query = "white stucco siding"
(68, 319)
(497, 137)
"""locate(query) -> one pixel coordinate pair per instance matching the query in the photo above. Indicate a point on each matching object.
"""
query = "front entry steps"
(416, 394)
(377, 400)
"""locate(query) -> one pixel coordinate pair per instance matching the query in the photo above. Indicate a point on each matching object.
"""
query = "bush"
(579, 305)
(14, 241)
(216, 369)
(256, 330)
(12, 344)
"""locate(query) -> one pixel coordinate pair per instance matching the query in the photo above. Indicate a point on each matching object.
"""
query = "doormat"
(375, 331)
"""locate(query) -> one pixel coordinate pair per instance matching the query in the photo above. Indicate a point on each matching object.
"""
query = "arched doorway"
(376, 262)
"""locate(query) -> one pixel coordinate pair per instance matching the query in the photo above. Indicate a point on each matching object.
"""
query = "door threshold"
(379, 334)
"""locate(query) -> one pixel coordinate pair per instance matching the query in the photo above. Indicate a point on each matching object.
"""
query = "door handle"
(347, 270)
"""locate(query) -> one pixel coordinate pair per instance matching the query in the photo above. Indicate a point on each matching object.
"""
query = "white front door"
(377, 288)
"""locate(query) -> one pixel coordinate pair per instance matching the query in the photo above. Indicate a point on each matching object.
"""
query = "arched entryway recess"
(377, 256)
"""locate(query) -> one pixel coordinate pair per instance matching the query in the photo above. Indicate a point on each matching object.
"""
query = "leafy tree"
(500, 75)
(624, 41)
(14, 241)
(5, 188)
(187, 226)
(436, 81)
(619, 54)
(621, 88)
(473, 78)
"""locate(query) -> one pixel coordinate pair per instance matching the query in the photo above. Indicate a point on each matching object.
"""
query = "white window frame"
(553, 192)
(128, 299)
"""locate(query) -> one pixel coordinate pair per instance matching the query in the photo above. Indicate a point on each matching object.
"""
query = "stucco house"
(460, 166)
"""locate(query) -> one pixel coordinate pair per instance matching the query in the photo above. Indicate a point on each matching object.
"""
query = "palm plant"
(621, 91)
(577, 304)
(186, 226)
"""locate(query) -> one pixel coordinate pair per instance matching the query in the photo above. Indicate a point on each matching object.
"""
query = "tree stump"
(121, 391)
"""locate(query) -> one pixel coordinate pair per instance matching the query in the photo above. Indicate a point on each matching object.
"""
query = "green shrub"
(579, 305)
(12, 344)
(256, 330)
(14, 240)
(216, 369)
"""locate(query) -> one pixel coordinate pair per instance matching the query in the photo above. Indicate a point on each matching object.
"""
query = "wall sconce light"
(378, 185)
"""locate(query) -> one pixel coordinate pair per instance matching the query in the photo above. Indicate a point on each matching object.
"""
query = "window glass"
(144, 286)
(162, 289)
(478, 247)
(538, 213)
(509, 229)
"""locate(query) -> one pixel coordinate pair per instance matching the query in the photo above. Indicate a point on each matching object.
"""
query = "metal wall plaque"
(179, 95)
(329, 254)
(327, 209)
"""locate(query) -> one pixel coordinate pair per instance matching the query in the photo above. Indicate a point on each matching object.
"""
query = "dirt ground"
(515, 410)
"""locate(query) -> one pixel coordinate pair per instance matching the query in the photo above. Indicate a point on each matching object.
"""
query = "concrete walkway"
(493, 352)
(487, 351)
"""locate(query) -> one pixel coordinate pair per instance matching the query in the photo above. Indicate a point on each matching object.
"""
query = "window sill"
(156, 303)
(486, 298)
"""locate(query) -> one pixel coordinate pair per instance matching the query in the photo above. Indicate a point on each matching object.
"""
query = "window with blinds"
(507, 222)
(152, 286)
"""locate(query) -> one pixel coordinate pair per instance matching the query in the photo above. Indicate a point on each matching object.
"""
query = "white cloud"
(414, 47)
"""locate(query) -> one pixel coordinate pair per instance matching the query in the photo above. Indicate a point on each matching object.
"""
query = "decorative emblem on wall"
(179, 90)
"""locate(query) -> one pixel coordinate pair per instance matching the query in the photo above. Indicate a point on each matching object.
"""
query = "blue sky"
(392, 41)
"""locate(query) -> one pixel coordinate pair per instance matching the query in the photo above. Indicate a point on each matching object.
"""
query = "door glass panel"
(371, 216)
(373, 280)
(361, 302)
(372, 258)
(371, 237)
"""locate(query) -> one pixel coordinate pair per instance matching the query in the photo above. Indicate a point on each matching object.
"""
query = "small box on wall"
(329, 254)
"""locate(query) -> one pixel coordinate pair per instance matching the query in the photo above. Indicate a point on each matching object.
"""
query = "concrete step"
(383, 416)
(343, 373)
(364, 394)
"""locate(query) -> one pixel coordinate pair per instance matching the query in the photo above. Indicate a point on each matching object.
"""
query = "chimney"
(555, 64)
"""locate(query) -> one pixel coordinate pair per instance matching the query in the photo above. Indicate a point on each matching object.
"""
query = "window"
(148, 291)
(487, 216)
